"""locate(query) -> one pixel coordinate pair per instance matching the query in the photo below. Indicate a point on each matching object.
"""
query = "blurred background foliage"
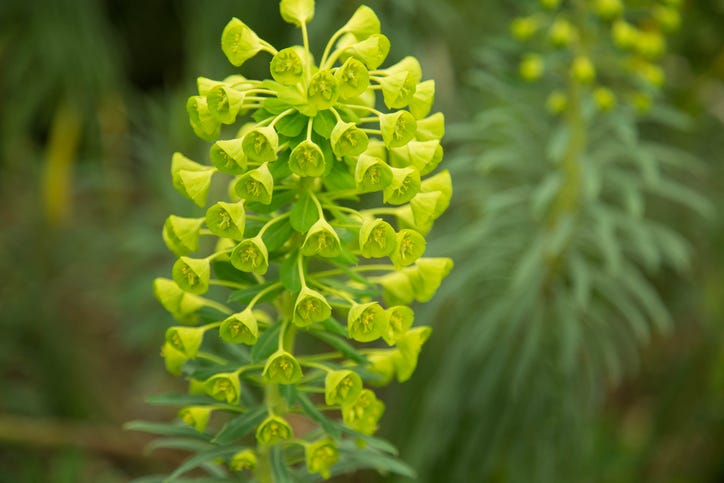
(92, 108)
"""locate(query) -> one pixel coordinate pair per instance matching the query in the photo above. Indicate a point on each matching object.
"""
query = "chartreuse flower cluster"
(609, 47)
(316, 210)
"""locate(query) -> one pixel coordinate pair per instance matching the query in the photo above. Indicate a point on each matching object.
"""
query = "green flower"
(273, 430)
(286, 66)
(196, 416)
(321, 240)
(366, 322)
(182, 305)
(372, 51)
(409, 347)
(371, 174)
(307, 159)
(342, 387)
(364, 413)
(282, 368)
(226, 219)
(297, 12)
(251, 255)
(377, 238)
(243, 460)
(173, 358)
(320, 456)
(228, 156)
(240, 328)
(400, 319)
(191, 179)
(353, 78)
(261, 144)
(323, 90)
(182, 234)
(239, 42)
(224, 103)
(224, 387)
(185, 339)
(362, 23)
(256, 185)
(427, 275)
(431, 127)
(310, 307)
(192, 274)
(423, 99)
(398, 128)
(404, 186)
(348, 140)
(409, 247)
(203, 122)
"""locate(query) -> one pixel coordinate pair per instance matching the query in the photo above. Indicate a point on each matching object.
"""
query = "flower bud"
(582, 70)
(182, 305)
(342, 387)
(423, 99)
(409, 346)
(524, 28)
(226, 220)
(362, 23)
(240, 328)
(191, 179)
(185, 339)
(363, 414)
(409, 247)
(427, 207)
(441, 182)
(173, 359)
(307, 159)
(372, 51)
(239, 43)
(366, 322)
(321, 240)
(353, 78)
(261, 144)
(398, 89)
(282, 368)
(224, 387)
(228, 156)
(531, 67)
(286, 66)
(400, 319)
(273, 430)
(182, 234)
(297, 12)
(243, 460)
(256, 185)
(251, 255)
(427, 275)
(371, 174)
(196, 416)
(398, 128)
(204, 124)
(404, 186)
(348, 140)
(192, 274)
(377, 238)
(432, 127)
(423, 155)
(310, 307)
(320, 456)
(224, 103)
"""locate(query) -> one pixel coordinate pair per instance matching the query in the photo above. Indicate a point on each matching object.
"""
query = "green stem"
(271, 222)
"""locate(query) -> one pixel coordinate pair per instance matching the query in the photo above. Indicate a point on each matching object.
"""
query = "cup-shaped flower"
(224, 387)
(582, 70)
(286, 66)
(364, 413)
(321, 240)
(320, 456)
(228, 156)
(297, 12)
(173, 359)
(182, 305)
(371, 174)
(307, 159)
(432, 127)
(400, 319)
(239, 43)
(251, 255)
(282, 368)
(398, 88)
(323, 90)
(427, 207)
(256, 185)
(409, 346)
(398, 128)
(423, 155)
(366, 322)
(261, 144)
(397, 288)
(404, 186)
(382, 366)
(410, 246)
(182, 234)
(226, 220)
(240, 328)
(439, 182)
(204, 124)
(273, 430)
(224, 103)
(362, 23)
(185, 339)
(423, 99)
(353, 78)
(377, 238)
(243, 460)
(191, 179)
(310, 307)
(342, 387)
(372, 51)
(192, 274)
(196, 416)
(427, 275)
(348, 140)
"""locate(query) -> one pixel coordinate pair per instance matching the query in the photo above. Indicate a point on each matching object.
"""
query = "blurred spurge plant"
(319, 180)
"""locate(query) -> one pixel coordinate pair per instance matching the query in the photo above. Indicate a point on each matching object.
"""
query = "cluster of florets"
(606, 45)
(287, 238)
